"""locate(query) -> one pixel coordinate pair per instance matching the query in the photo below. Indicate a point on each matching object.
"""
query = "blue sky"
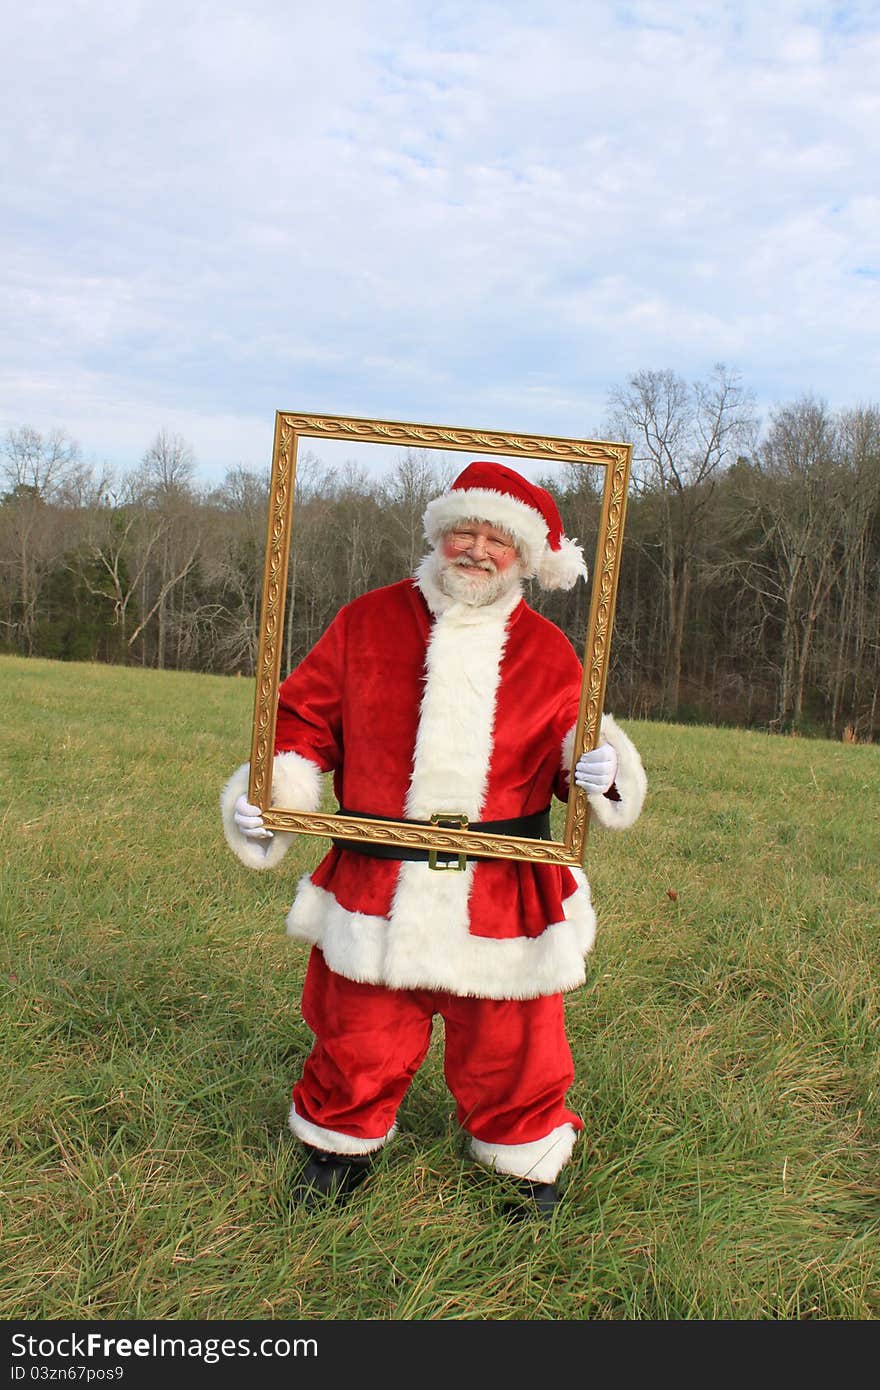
(481, 214)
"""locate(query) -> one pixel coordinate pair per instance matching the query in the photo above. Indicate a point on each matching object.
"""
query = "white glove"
(249, 820)
(595, 771)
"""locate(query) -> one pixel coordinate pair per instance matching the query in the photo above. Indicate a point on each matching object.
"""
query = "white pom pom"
(562, 568)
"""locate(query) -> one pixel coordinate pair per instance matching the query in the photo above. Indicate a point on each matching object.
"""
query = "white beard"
(454, 580)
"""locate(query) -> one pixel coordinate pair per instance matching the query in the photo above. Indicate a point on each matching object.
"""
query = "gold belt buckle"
(460, 822)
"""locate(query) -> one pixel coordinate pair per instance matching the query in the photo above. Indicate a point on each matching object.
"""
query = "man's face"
(480, 549)
(478, 563)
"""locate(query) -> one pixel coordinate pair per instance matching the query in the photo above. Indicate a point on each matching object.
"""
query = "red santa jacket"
(417, 704)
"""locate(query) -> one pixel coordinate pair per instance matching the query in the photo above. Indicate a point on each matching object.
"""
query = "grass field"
(726, 1044)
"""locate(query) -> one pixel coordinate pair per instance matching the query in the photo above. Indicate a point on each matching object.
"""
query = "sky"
(481, 215)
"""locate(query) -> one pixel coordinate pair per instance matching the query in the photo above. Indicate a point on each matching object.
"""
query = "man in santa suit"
(443, 693)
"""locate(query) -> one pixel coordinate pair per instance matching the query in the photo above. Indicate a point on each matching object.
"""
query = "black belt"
(533, 827)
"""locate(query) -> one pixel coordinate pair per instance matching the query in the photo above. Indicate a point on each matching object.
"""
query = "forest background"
(749, 591)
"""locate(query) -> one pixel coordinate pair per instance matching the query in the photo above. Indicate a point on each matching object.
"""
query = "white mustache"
(486, 564)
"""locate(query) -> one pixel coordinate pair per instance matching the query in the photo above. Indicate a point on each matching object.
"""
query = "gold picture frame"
(614, 458)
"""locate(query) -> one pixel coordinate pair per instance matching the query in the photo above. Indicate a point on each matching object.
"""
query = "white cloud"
(487, 214)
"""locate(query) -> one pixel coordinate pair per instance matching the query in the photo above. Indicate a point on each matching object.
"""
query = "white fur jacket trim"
(408, 952)
(631, 781)
(296, 786)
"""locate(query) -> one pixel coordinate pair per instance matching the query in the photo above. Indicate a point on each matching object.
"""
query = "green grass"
(725, 1044)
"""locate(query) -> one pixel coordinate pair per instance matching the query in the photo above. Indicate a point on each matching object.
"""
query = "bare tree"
(39, 472)
(165, 486)
(813, 493)
(145, 539)
(683, 436)
(41, 463)
(404, 497)
(167, 468)
(232, 569)
(851, 668)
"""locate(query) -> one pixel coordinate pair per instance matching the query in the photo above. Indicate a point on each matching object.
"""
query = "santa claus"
(443, 693)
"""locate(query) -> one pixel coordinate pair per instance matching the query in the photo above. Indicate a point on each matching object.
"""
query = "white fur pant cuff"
(330, 1140)
(540, 1161)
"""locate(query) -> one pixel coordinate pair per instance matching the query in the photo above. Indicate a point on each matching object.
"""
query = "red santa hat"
(496, 494)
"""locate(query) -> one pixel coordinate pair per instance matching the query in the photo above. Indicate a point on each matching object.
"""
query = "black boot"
(330, 1175)
(537, 1199)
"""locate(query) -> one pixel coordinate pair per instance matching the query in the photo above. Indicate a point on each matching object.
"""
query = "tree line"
(749, 588)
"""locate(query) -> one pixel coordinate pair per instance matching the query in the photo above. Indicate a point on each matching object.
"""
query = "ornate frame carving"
(615, 459)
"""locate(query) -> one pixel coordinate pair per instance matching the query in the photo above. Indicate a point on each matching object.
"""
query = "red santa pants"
(507, 1063)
